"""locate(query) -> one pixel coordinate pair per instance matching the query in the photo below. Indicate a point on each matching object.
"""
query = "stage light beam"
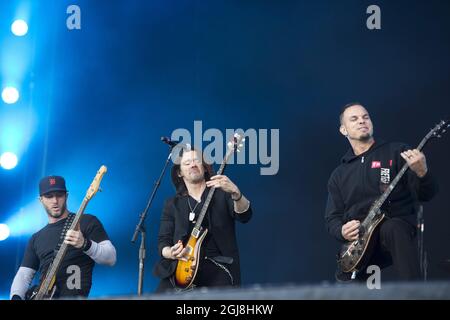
(4, 231)
(10, 95)
(19, 27)
(8, 160)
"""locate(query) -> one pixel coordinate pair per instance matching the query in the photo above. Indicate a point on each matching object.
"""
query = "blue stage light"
(19, 27)
(8, 160)
(4, 231)
(10, 95)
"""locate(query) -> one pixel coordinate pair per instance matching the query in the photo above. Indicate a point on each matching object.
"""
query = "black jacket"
(360, 180)
(175, 225)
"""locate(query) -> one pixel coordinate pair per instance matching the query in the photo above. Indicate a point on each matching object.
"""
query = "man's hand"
(350, 230)
(416, 161)
(74, 238)
(175, 252)
(224, 183)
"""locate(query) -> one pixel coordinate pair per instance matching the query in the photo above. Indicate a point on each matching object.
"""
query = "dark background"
(140, 69)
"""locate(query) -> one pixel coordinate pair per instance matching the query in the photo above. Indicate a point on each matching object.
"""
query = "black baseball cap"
(52, 183)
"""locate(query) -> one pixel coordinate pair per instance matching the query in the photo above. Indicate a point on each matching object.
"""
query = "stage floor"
(388, 291)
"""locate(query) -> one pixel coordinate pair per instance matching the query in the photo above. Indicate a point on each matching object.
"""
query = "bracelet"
(86, 245)
(239, 198)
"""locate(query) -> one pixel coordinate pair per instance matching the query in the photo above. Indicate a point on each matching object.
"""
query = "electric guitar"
(355, 255)
(47, 287)
(186, 268)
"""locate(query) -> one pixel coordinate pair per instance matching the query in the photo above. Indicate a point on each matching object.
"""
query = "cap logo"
(52, 181)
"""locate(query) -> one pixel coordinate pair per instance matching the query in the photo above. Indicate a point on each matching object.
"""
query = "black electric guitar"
(355, 255)
(186, 267)
(47, 287)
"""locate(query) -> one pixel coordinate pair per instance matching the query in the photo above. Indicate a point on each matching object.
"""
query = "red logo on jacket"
(376, 164)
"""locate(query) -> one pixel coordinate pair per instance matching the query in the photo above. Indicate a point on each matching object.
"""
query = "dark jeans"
(211, 275)
(396, 246)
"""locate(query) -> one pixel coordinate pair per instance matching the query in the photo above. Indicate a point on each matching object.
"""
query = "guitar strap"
(66, 227)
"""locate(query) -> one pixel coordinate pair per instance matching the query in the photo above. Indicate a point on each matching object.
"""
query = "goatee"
(365, 138)
(57, 215)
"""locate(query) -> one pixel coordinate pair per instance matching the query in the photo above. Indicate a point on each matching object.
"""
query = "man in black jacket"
(364, 174)
(219, 259)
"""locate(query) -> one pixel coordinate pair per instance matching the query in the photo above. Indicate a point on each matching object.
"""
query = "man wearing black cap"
(88, 246)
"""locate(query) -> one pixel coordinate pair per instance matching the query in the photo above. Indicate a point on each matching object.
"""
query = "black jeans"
(396, 246)
(211, 275)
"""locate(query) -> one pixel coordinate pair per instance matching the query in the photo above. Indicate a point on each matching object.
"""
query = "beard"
(56, 215)
(198, 178)
(365, 137)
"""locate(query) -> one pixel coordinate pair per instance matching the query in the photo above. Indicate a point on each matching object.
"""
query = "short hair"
(348, 105)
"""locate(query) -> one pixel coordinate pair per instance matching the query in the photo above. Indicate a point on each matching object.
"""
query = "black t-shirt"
(40, 252)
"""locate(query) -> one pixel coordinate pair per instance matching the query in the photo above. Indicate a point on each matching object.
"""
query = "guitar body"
(186, 268)
(355, 255)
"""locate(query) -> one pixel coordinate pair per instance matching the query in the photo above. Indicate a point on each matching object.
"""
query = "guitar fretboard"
(376, 207)
(202, 214)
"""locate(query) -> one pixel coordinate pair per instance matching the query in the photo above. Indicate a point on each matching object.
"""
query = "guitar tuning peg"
(238, 150)
(243, 140)
(241, 145)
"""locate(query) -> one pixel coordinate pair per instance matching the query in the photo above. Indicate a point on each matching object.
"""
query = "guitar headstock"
(439, 129)
(236, 143)
(95, 185)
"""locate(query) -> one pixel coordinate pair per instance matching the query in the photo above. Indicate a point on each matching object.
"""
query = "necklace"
(192, 213)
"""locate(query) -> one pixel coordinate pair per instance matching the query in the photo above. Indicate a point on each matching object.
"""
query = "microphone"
(170, 142)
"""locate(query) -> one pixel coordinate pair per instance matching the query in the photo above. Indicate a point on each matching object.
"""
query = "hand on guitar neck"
(74, 238)
(416, 161)
(241, 204)
(350, 230)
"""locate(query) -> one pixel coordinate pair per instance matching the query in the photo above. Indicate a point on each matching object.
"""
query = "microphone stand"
(420, 243)
(140, 228)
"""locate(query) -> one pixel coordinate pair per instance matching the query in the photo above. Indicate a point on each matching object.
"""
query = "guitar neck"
(56, 263)
(380, 201)
(202, 214)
